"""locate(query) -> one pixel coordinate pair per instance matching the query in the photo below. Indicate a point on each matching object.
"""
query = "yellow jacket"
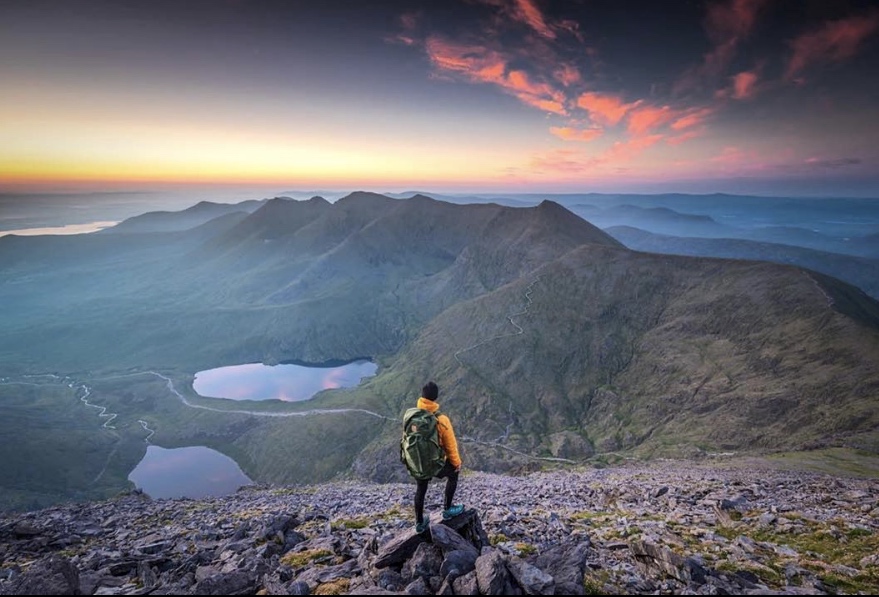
(446, 434)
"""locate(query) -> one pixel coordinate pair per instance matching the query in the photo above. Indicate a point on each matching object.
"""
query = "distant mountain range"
(548, 338)
(862, 272)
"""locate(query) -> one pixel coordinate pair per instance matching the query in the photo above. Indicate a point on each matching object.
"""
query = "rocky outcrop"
(671, 528)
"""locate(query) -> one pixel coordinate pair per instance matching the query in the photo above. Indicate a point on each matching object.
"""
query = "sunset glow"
(485, 95)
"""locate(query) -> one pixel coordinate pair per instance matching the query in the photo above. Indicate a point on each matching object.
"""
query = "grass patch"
(337, 587)
(834, 461)
(352, 523)
(304, 558)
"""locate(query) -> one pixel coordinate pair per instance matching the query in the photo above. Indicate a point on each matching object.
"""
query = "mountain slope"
(859, 271)
(548, 338)
(166, 221)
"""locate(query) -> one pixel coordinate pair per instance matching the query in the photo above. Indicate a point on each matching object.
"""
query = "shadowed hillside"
(550, 340)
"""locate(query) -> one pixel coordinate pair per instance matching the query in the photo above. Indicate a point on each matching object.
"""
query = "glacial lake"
(287, 382)
(192, 472)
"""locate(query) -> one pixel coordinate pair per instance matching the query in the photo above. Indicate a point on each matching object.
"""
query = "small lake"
(287, 382)
(193, 472)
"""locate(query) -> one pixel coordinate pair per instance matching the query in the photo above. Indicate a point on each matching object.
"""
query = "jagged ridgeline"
(550, 340)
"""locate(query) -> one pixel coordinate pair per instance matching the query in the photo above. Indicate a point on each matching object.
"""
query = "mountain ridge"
(548, 337)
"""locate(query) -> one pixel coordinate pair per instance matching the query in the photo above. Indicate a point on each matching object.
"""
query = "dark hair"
(430, 391)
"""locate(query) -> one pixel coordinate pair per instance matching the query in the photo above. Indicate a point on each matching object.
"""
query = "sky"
(775, 97)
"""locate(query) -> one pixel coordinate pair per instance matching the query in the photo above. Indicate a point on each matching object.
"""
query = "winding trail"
(106, 463)
(519, 330)
(830, 301)
(146, 427)
(103, 409)
(515, 451)
(506, 434)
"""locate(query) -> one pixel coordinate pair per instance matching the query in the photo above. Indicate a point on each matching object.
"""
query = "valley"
(552, 343)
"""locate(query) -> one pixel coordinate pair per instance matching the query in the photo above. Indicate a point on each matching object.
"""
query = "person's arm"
(449, 441)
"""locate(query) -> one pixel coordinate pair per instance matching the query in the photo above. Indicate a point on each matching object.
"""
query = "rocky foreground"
(666, 528)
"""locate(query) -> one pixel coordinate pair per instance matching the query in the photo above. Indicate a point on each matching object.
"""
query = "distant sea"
(76, 213)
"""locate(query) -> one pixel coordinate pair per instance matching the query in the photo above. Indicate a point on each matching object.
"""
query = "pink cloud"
(561, 161)
(484, 65)
(605, 109)
(626, 150)
(409, 25)
(475, 62)
(573, 134)
(409, 21)
(645, 119)
(744, 85)
(691, 119)
(836, 41)
(684, 137)
(567, 75)
(527, 12)
(727, 24)
(572, 27)
(732, 20)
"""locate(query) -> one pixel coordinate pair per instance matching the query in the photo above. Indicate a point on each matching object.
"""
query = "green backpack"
(420, 449)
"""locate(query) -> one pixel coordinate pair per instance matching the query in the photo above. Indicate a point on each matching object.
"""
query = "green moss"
(352, 523)
(337, 587)
(304, 558)
(525, 549)
(498, 538)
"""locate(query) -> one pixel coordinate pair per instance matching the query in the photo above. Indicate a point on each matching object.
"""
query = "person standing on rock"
(422, 431)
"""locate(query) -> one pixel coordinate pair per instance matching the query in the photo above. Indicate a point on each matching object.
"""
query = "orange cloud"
(732, 20)
(643, 120)
(834, 42)
(571, 134)
(483, 65)
(572, 161)
(561, 161)
(691, 119)
(475, 62)
(605, 109)
(527, 12)
(683, 137)
(626, 150)
(727, 24)
(744, 85)
(567, 75)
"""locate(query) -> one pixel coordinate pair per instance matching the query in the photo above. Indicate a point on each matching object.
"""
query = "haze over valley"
(555, 344)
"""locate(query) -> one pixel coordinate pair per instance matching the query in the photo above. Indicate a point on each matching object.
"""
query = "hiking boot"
(453, 511)
(422, 527)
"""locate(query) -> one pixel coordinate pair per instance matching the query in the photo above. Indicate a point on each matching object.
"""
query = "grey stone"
(147, 575)
(238, 582)
(492, 576)
(52, 575)
(417, 587)
(533, 580)
(297, 587)
(567, 564)
(318, 575)
(449, 540)
(425, 562)
(658, 558)
(390, 580)
(466, 584)
(457, 563)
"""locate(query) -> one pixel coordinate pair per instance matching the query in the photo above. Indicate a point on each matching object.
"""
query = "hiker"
(425, 459)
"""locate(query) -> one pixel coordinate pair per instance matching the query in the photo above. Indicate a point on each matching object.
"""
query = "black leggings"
(451, 476)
